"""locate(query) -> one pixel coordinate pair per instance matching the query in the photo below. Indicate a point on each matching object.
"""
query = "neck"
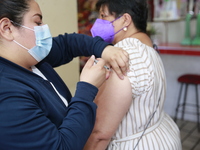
(127, 35)
(134, 33)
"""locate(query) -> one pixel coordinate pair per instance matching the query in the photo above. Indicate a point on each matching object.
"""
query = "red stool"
(188, 79)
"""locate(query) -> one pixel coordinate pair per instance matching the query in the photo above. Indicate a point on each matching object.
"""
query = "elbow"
(101, 136)
(98, 140)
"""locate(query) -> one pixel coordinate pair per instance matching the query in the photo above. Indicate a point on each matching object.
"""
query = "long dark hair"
(14, 10)
(137, 9)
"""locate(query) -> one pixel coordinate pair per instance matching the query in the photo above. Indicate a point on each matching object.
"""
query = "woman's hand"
(118, 59)
(94, 74)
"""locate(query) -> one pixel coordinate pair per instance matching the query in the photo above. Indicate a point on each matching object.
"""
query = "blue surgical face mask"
(43, 42)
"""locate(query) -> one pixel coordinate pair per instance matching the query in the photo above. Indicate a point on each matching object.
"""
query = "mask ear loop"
(21, 45)
(118, 30)
(115, 19)
(21, 25)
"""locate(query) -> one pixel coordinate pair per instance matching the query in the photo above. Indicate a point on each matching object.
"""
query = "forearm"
(46, 126)
(68, 46)
(80, 118)
(96, 142)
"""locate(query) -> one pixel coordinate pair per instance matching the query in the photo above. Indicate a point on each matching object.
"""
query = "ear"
(127, 19)
(6, 29)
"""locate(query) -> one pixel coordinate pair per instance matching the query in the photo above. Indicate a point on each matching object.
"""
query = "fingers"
(118, 59)
(90, 61)
(94, 73)
(120, 63)
(124, 62)
(100, 62)
(107, 67)
(125, 58)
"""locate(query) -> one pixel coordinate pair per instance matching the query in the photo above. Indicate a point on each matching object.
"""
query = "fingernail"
(107, 76)
(93, 57)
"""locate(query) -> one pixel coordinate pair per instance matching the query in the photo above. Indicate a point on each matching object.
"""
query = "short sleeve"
(141, 74)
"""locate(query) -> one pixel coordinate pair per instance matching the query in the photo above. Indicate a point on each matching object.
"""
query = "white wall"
(176, 65)
(61, 16)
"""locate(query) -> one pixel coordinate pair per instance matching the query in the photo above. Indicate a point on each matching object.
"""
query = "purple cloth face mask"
(104, 29)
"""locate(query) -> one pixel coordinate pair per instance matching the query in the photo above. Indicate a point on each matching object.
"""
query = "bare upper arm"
(113, 101)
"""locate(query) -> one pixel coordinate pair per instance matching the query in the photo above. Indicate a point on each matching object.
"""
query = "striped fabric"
(147, 78)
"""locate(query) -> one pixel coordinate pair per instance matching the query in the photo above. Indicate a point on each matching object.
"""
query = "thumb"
(90, 61)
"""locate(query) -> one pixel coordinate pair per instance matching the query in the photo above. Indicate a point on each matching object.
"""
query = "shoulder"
(133, 45)
(141, 75)
(145, 39)
(140, 39)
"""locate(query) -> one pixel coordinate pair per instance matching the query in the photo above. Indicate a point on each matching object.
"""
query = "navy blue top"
(32, 115)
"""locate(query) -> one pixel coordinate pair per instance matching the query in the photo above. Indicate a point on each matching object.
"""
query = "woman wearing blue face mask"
(130, 114)
(37, 110)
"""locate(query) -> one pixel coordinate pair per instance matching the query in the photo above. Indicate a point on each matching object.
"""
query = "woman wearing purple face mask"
(37, 110)
(104, 29)
(130, 113)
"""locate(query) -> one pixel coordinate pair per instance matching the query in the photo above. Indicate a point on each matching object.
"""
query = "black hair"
(137, 9)
(14, 10)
